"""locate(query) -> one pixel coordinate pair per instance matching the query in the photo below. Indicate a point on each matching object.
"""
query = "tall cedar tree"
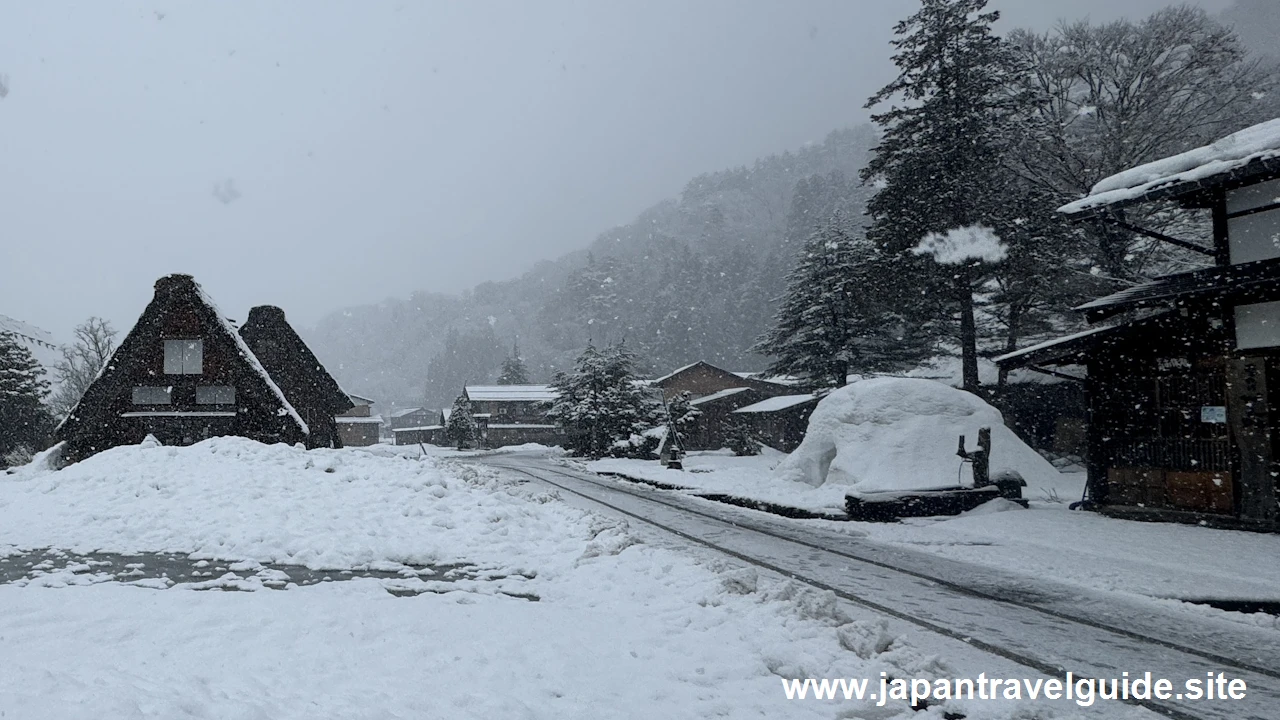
(24, 421)
(938, 165)
(827, 325)
(599, 402)
(461, 430)
(514, 371)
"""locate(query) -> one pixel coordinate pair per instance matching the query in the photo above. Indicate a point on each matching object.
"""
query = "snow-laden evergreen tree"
(741, 439)
(81, 362)
(514, 371)
(828, 323)
(24, 421)
(461, 430)
(600, 403)
(681, 414)
(938, 167)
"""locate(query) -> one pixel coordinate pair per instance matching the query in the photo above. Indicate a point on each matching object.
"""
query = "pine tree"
(514, 371)
(681, 415)
(828, 324)
(741, 439)
(461, 429)
(939, 164)
(24, 421)
(599, 401)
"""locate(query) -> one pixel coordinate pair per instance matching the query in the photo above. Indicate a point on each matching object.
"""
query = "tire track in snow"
(940, 606)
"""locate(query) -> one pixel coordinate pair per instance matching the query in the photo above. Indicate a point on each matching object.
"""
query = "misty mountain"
(691, 278)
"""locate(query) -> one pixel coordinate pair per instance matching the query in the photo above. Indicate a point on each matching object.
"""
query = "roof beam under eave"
(1187, 244)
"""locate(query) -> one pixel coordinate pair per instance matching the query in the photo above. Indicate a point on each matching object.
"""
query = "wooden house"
(701, 378)
(411, 417)
(308, 386)
(709, 431)
(513, 414)
(359, 426)
(1183, 373)
(779, 421)
(182, 374)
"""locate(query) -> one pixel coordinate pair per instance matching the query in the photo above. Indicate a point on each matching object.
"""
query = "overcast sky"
(316, 155)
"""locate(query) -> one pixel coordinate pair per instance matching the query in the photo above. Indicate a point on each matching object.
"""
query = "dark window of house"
(152, 395)
(215, 395)
(184, 357)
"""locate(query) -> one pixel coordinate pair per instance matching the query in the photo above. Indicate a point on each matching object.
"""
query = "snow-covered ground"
(1154, 560)
(618, 628)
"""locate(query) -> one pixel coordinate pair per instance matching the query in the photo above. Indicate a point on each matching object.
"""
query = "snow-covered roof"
(1252, 144)
(1055, 342)
(250, 357)
(360, 399)
(512, 393)
(522, 427)
(718, 395)
(774, 404)
(407, 411)
(423, 427)
(676, 372)
(41, 344)
(349, 420)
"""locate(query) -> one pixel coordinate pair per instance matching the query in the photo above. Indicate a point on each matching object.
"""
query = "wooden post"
(982, 463)
(1248, 420)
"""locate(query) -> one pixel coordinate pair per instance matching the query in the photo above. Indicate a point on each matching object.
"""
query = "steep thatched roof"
(291, 363)
(175, 294)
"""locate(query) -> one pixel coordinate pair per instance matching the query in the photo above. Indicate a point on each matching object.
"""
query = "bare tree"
(81, 362)
(1121, 94)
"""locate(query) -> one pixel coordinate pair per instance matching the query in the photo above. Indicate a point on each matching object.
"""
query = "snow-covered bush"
(741, 439)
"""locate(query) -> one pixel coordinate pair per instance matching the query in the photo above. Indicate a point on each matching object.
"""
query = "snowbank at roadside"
(720, 471)
(901, 434)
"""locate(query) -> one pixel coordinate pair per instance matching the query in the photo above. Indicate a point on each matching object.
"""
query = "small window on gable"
(184, 357)
(152, 395)
(215, 395)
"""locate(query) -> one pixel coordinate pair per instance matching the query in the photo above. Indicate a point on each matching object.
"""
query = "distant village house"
(359, 426)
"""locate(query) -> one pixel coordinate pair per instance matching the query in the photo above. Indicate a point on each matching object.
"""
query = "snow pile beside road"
(901, 434)
(233, 498)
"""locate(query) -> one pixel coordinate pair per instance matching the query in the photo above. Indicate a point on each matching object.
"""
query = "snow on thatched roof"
(1185, 171)
(290, 362)
(512, 393)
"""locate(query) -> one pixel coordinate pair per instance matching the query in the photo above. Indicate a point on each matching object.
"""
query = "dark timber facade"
(1183, 373)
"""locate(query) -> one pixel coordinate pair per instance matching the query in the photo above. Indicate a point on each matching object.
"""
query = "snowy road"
(1047, 627)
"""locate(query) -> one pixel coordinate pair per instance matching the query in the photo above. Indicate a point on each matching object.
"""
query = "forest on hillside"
(699, 277)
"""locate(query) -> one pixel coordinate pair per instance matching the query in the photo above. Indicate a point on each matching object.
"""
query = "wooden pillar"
(1248, 419)
(1095, 425)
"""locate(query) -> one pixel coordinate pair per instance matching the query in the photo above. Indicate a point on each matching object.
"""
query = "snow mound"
(900, 434)
(236, 499)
